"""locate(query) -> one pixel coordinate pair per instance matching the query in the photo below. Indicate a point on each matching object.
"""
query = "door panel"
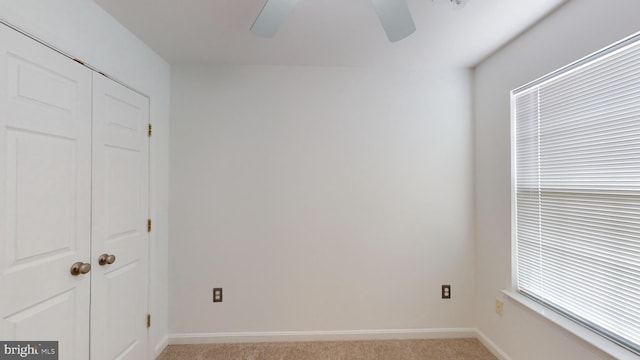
(43, 173)
(123, 299)
(122, 170)
(34, 322)
(45, 195)
(120, 210)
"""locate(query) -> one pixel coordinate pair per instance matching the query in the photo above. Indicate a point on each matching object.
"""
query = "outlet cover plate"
(499, 307)
(446, 291)
(217, 295)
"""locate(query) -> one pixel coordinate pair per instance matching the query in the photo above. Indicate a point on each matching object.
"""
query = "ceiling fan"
(393, 14)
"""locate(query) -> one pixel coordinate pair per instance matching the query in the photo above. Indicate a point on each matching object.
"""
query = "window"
(576, 191)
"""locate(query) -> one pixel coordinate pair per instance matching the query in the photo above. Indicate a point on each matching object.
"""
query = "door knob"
(106, 259)
(80, 268)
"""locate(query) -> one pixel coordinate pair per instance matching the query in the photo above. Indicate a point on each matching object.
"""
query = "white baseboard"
(495, 350)
(285, 336)
(157, 350)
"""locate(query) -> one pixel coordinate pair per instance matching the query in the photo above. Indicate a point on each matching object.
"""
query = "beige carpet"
(434, 349)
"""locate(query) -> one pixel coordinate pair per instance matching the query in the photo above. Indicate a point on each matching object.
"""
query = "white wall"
(575, 30)
(320, 199)
(82, 29)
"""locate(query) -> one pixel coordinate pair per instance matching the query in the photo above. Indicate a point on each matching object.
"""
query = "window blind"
(576, 153)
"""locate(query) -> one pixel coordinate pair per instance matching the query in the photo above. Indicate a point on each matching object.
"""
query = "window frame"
(578, 327)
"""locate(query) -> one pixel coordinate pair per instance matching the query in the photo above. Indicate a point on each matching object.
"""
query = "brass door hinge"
(148, 225)
(150, 130)
(148, 320)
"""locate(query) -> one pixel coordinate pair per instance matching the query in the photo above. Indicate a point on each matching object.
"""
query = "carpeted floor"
(433, 349)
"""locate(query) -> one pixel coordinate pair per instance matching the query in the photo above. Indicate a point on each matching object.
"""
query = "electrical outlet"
(499, 307)
(217, 294)
(446, 291)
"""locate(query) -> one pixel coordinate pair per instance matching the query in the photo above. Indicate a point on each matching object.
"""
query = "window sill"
(576, 329)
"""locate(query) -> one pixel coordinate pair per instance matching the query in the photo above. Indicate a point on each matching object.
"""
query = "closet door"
(45, 189)
(120, 208)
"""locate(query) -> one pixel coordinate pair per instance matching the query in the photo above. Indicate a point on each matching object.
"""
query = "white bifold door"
(73, 191)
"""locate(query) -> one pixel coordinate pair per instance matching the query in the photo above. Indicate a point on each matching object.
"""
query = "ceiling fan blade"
(395, 18)
(271, 17)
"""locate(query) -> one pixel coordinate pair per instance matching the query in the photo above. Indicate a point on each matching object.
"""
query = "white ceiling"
(326, 32)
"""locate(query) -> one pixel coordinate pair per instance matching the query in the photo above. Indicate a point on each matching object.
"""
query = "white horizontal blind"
(577, 193)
